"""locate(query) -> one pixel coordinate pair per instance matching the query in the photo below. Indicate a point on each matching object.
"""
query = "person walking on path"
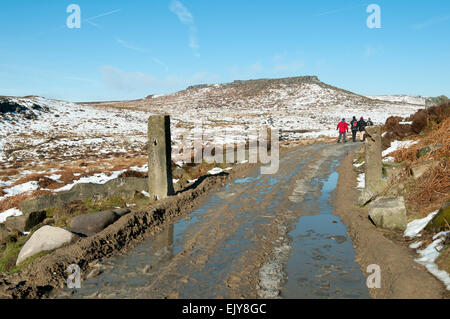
(354, 125)
(369, 122)
(343, 130)
(362, 128)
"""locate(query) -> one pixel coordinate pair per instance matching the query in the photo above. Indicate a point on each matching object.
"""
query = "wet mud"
(258, 236)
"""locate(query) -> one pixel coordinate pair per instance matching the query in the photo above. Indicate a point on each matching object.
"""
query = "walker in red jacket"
(343, 130)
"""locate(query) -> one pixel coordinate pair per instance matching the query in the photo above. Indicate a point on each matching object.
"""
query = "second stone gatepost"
(374, 183)
(160, 157)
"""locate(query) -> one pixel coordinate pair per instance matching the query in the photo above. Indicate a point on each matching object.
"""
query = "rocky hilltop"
(261, 83)
(299, 106)
(262, 94)
(24, 106)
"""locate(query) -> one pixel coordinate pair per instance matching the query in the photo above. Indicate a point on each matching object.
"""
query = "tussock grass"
(9, 254)
(64, 215)
(67, 171)
(434, 185)
(14, 201)
(437, 134)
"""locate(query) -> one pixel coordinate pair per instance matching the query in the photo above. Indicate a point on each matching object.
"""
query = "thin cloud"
(256, 67)
(157, 61)
(338, 10)
(131, 47)
(282, 64)
(93, 24)
(89, 20)
(103, 14)
(80, 79)
(294, 66)
(38, 76)
(369, 51)
(373, 51)
(119, 80)
(31, 72)
(186, 18)
(280, 56)
(253, 70)
(193, 41)
(431, 22)
(141, 50)
(182, 12)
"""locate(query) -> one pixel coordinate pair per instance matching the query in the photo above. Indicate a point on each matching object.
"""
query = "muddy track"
(401, 276)
(244, 235)
(240, 243)
(48, 273)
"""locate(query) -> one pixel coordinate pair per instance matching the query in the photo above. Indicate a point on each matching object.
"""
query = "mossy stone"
(441, 221)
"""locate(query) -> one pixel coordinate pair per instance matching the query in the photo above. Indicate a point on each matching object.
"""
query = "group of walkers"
(355, 126)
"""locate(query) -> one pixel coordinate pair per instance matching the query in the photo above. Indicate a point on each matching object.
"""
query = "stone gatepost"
(159, 157)
(373, 165)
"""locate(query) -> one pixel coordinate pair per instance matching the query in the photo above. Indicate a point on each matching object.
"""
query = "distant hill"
(293, 93)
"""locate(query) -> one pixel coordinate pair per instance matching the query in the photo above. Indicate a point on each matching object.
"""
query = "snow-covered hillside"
(46, 130)
(294, 105)
(408, 99)
(48, 145)
(60, 130)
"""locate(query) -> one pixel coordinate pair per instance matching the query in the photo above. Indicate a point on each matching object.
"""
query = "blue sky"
(131, 49)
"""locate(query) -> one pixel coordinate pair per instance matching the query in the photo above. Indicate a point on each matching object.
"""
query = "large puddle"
(313, 257)
(141, 265)
(321, 263)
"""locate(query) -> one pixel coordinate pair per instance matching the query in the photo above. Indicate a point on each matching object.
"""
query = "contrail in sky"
(338, 10)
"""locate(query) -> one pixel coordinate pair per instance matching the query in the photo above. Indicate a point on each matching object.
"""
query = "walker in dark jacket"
(354, 126)
(362, 125)
(362, 128)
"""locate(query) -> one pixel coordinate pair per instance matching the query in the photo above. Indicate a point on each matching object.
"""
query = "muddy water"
(322, 258)
(264, 236)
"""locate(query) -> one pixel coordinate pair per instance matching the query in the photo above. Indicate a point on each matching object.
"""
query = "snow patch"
(143, 169)
(361, 181)
(55, 177)
(396, 145)
(410, 99)
(388, 159)
(9, 213)
(6, 183)
(414, 228)
(101, 178)
(20, 189)
(215, 171)
(429, 255)
(415, 245)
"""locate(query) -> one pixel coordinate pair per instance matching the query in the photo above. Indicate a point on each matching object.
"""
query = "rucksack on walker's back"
(354, 125)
